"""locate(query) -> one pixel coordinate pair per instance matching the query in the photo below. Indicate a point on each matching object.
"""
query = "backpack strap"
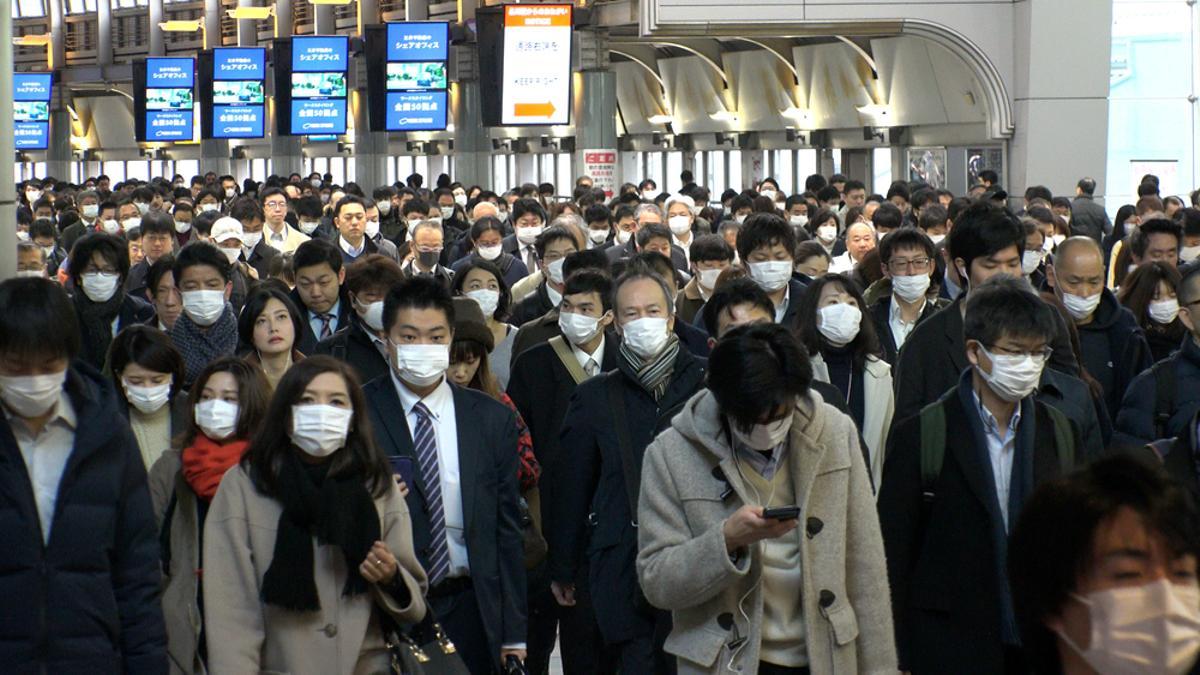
(1064, 439)
(568, 359)
(1164, 395)
(629, 465)
(933, 445)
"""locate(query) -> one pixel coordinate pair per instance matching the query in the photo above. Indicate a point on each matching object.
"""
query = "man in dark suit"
(529, 220)
(464, 503)
(256, 252)
(318, 293)
(766, 244)
(553, 246)
(540, 385)
(645, 215)
(945, 526)
(158, 236)
(610, 420)
(536, 332)
(907, 257)
(1088, 218)
(362, 343)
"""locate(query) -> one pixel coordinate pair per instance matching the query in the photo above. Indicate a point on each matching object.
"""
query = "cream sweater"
(153, 432)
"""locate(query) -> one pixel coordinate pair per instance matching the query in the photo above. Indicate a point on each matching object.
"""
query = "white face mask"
(142, 207)
(251, 239)
(33, 195)
(216, 418)
(798, 221)
(130, 223)
(598, 236)
(1151, 629)
(1012, 377)
(646, 336)
(90, 210)
(204, 307)
(528, 234)
(40, 274)
(460, 199)
(912, 287)
(1164, 311)
(309, 226)
(1048, 245)
(205, 208)
(768, 193)
(384, 206)
(1080, 307)
(31, 395)
(231, 254)
(1059, 238)
(1189, 253)
(554, 271)
(22, 235)
(447, 212)
(489, 252)
(183, 226)
(578, 328)
(147, 399)
(708, 278)
(320, 430)
(649, 195)
(936, 238)
(487, 299)
(763, 437)
(839, 323)
(740, 218)
(421, 365)
(623, 236)
(771, 275)
(230, 193)
(679, 225)
(827, 233)
(110, 226)
(1030, 261)
(372, 229)
(99, 286)
(371, 314)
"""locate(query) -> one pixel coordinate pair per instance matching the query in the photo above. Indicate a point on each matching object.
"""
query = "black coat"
(512, 268)
(88, 601)
(534, 333)
(1114, 349)
(307, 343)
(487, 462)
(1089, 219)
(617, 254)
(531, 307)
(134, 310)
(942, 558)
(593, 483)
(353, 346)
(135, 281)
(1135, 421)
(260, 259)
(881, 313)
(1180, 460)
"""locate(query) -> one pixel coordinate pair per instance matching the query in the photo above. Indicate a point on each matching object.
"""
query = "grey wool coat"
(683, 566)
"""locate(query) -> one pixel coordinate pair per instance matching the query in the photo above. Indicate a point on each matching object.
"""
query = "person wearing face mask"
(43, 235)
(767, 245)
(481, 282)
(308, 546)
(823, 227)
(1112, 346)
(309, 219)
(845, 352)
(1150, 293)
(267, 329)
(1102, 566)
(427, 245)
(1087, 217)
(451, 212)
(147, 373)
(462, 445)
(361, 342)
(387, 200)
(654, 378)
(373, 233)
(552, 247)
(228, 404)
(709, 255)
(599, 220)
(487, 244)
(766, 439)
(98, 267)
(648, 190)
(207, 328)
(77, 487)
(255, 252)
(681, 221)
(907, 260)
(956, 478)
(1033, 256)
(528, 220)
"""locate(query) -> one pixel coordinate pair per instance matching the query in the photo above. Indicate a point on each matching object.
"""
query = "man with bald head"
(1112, 346)
(860, 240)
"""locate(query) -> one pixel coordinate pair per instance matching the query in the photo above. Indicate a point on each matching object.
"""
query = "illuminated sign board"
(238, 92)
(31, 110)
(536, 78)
(165, 99)
(318, 85)
(416, 81)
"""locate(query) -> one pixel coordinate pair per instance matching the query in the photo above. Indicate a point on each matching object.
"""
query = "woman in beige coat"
(308, 548)
(751, 594)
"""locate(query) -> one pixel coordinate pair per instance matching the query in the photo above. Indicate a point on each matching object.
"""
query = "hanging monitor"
(233, 92)
(407, 78)
(31, 110)
(164, 93)
(316, 97)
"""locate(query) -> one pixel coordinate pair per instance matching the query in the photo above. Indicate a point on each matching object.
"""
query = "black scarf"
(95, 324)
(336, 510)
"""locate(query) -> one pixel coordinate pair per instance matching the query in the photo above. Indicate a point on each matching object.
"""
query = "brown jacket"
(246, 637)
(689, 301)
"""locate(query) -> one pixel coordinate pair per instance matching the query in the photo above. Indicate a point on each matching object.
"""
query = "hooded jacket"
(1113, 349)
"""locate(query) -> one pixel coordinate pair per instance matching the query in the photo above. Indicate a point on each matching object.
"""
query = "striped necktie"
(326, 329)
(427, 457)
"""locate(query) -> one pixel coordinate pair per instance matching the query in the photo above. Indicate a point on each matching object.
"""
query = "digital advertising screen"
(536, 77)
(238, 102)
(164, 101)
(31, 110)
(407, 76)
(317, 95)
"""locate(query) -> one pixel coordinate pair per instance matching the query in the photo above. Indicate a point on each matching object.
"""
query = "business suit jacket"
(487, 460)
(1089, 218)
(260, 259)
(353, 346)
(881, 313)
(534, 333)
(618, 254)
(307, 342)
(531, 307)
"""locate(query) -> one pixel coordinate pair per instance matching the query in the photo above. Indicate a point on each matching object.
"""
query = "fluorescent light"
(724, 116)
(660, 119)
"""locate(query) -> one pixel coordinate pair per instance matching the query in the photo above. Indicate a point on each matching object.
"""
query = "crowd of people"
(303, 427)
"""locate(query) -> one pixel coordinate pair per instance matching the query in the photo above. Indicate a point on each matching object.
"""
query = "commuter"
(1102, 566)
(1112, 346)
(228, 403)
(1088, 218)
(610, 420)
(361, 343)
(80, 565)
(1034, 255)
(319, 293)
(162, 293)
(844, 351)
(255, 252)
(147, 374)
(481, 281)
(426, 245)
(267, 328)
(908, 262)
(767, 244)
(599, 219)
(648, 214)
(709, 255)
(954, 483)
(350, 219)
(42, 235)
(934, 221)
(98, 269)
(313, 479)
(372, 233)
(725, 566)
(811, 261)
(1150, 293)
(473, 556)
(681, 221)
(860, 239)
(158, 240)
(183, 214)
(207, 328)
(691, 336)
(528, 219)
(486, 237)
(277, 233)
(553, 246)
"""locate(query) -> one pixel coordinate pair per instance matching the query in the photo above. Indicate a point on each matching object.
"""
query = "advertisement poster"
(239, 93)
(170, 99)
(319, 86)
(417, 80)
(536, 83)
(927, 165)
(31, 110)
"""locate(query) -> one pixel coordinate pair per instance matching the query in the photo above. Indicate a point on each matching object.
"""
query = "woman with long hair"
(1150, 292)
(308, 546)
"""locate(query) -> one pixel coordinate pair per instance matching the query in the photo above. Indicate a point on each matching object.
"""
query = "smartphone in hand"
(402, 466)
(782, 513)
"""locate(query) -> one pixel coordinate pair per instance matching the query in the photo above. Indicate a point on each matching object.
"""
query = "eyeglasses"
(1043, 354)
(914, 265)
(275, 205)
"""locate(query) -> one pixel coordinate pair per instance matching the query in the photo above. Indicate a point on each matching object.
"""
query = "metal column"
(370, 148)
(58, 150)
(214, 152)
(472, 141)
(104, 33)
(8, 190)
(158, 45)
(594, 112)
(286, 156)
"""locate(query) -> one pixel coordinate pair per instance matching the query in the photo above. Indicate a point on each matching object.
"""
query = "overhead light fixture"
(660, 119)
(724, 116)
(251, 13)
(879, 111)
(32, 40)
(180, 26)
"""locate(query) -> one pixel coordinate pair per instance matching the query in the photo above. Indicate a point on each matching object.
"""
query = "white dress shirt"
(46, 456)
(584, 358)
(1001, 446)
(901, 328)
(782, 308)
(350, 250)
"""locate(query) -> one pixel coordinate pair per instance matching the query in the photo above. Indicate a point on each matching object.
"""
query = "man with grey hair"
(610, 420)
(646, 214)
(1088, 218)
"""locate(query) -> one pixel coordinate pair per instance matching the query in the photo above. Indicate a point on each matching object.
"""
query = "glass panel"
(389, 171)
(349, 167)
(565, 184)
(881, 159)
(115, 172)
(500, 172)
(837, 160)
(714, 173)
(784, 170)
(24, 9)
(137, 169)
(734, 158)
(674, 168)
(337, 167)
(806, 165)
(187, 168)
(421, 166)
(654, 168)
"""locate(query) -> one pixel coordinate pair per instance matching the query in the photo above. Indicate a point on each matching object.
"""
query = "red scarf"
(206, 461)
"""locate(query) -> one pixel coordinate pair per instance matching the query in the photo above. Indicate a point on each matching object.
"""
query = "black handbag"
(424, 650)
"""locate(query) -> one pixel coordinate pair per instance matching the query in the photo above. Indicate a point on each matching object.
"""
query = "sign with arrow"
(537, 65)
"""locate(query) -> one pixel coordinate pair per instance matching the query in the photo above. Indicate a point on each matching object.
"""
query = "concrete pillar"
(370, 148)
(286, 154)
(212, 22)
(214, 153)
(58, 150)
(158, 45)
(856, 164)
(472, 143)
(326, 23)
(104, 33)
(416, 10)
(595, 118)
(824, 162)
(58, 49)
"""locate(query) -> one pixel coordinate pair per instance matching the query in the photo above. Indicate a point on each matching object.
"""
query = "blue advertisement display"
(239, 63)
(314, 116)
(168, 125)
(31, 135)
(319, 85)
(239, 92)
(170, 99)
(416, 77)
(233, 121)
(31, 110)
(170, 73)
(416, 111)
(420, 41)
(317, 54)
(31, 86)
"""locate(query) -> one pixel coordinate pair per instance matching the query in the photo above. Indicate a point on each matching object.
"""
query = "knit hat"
(469, 323)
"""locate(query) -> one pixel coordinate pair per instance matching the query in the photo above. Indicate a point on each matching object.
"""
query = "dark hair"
(255, 304)
(460, 278)
(816, 220)
(203, 222)
(1053, 539)
(590, 281)
(372, 271)
(551, 235)
(810, 249)
(1147, 189)
(754, 370)
(828, 194)
(596, 213)
(814, 182)
(1038, 192)
(486, 224)
(710, 247)
(886, 216)
(112, 248)
(764, 229)
(730, 294)
(200, 253)
(589, 259)
(37, 320)
(865, 344)
(149, 348)
(1139, 241)
(316, 251)
(158, 222)
(1139, 287)
(854, 185)
(157, 271)
(652, 231)
(923, 196)
(1006, 306)
(524, 206)
(418, 292)
(932, 216)
(984, 229)
(246, 209)
(905, 237)
(463, 349)
(43, 227)
(898, 189)
(360, 456)
(350, 199)
(271, 192)
(1087, 186)
(640, 270)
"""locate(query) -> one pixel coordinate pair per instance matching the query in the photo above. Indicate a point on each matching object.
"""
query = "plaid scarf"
(654, 374)
(200, 346)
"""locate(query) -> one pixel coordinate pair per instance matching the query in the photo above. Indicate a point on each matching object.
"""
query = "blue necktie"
(427, 456)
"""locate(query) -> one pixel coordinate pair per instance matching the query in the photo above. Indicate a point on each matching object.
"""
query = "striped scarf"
(654, 374)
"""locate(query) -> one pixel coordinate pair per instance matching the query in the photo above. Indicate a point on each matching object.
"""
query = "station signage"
(417, 81)
(536, 78)
(31, 110)
(318, 86)
(238, 92)
(168, 99)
